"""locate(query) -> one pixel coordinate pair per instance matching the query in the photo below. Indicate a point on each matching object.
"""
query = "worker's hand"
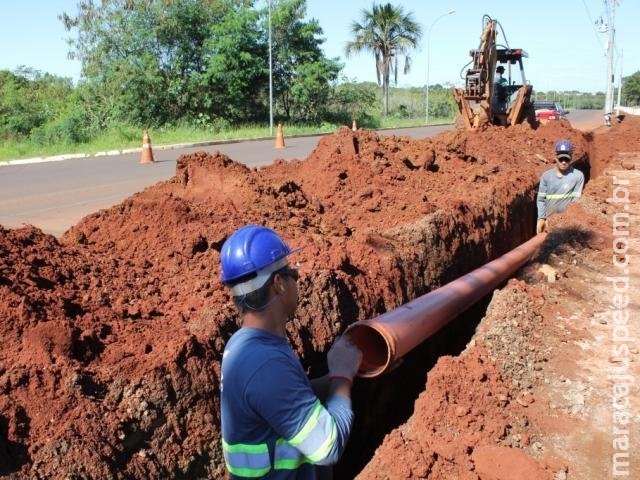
(344, 358)
(541, 226)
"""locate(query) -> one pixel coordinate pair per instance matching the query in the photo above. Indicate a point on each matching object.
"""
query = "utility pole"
(611, 30)
(619, 86)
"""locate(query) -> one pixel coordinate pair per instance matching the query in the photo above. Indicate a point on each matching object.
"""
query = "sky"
(566, 50)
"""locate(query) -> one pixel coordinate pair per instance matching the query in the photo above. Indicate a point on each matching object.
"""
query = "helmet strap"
(259, 280)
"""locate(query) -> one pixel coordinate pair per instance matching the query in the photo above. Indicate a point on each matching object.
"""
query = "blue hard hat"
(255, 252)
(564, 146)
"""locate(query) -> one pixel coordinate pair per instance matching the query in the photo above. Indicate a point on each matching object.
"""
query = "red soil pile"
(113, 335)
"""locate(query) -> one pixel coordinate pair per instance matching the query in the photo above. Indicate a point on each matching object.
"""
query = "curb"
(71, 156)
(206, 143)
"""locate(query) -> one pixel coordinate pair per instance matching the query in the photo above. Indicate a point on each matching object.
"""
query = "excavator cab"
(483, 101)
(511, 97)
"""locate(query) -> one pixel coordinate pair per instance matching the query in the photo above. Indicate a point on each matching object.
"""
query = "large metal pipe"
(387, 338)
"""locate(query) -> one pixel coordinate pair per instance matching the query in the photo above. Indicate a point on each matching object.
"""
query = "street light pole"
(450, 12)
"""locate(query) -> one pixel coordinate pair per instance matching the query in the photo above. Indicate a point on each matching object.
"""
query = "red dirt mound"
(113, 335)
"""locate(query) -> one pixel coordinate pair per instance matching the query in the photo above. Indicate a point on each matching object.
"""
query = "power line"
(593, 24)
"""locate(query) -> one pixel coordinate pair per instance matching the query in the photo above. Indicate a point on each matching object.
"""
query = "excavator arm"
(474, 101)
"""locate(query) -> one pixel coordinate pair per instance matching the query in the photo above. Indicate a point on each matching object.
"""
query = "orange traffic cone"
(147, 153)
(279, 137)
(354, 127)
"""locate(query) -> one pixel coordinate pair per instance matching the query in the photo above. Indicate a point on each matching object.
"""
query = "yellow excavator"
(483, 101)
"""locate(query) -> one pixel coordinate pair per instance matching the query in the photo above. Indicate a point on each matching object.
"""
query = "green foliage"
(159, 62)
(350, 101)
(442, 105)
(200, 68)
(301, 74)
(310, 93)
(232, 86)
(69, 128)
(573, 100)
(17, 115)
(631, 89)
(144, 59)
(388, 33)
(30, 99)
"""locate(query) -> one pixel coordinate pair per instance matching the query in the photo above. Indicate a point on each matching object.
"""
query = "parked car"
(546, 111)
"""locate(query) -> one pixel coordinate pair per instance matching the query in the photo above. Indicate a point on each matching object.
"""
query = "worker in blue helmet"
(559, 186)
(276, 423)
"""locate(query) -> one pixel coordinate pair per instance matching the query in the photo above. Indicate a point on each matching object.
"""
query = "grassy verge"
(122, 138)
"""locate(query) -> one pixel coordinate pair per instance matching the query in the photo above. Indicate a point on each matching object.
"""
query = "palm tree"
(388, 33)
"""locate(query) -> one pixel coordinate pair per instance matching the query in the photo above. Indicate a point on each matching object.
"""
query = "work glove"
(541, 226)
(343, 359)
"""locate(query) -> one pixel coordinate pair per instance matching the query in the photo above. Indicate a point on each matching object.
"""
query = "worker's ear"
(278, 285)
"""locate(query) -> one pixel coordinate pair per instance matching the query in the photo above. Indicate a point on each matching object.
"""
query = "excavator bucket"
(468, 117)
(521, 108)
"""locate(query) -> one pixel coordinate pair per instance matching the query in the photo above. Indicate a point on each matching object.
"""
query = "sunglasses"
(563, 160)
(289, 272)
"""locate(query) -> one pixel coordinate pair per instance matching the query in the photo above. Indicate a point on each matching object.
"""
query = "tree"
(235, 82)
(302, 76)
(144, 59)
(29, 99)
(353, 101)
(388, 33)
(154, 62)
(631, 89)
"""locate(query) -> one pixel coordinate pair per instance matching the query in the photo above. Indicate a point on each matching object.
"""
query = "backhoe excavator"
(482, 102)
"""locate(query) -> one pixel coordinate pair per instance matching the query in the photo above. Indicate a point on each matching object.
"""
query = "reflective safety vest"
(556, 193)
(253, 461)
(273, 424)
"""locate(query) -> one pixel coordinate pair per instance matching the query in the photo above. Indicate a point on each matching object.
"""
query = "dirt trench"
(113, 334)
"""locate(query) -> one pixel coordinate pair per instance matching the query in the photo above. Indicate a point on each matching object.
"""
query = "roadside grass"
(128, 137)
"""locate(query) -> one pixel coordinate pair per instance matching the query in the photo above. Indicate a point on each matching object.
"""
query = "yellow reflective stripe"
(317, 423)
(289, 464)
(253, 460)
(308, 427)
(245, 447)
(287, 457)
(248, 472)
(555, 196)
(325, 448)
(247, 460)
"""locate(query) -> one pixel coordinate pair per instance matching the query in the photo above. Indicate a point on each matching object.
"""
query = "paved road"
(54, 195)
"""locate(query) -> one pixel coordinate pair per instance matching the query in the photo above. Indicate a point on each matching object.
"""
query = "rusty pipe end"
(376, 346)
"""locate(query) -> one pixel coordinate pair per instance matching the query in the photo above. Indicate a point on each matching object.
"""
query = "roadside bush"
(71, 129)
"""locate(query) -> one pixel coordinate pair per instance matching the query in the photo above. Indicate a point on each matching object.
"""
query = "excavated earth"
(112, 334)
